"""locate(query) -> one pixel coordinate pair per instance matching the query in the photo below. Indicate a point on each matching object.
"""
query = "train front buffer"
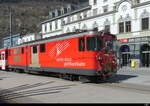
(106, 65)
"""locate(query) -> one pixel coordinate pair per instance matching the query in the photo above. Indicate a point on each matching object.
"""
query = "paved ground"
(127, 87)
(135, 76)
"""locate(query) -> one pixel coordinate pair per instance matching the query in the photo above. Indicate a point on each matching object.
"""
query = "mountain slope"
(26, 14)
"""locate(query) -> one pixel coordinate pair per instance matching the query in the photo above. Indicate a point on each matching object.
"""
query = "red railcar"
(89, 54)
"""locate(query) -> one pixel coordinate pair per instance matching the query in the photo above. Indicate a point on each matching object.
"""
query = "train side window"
(3, 57)
(17, 51)
(91, 44)
(81, 44)
(42, 48)
(34, 49)
(94, 44)
(9, 52)
(22, 50)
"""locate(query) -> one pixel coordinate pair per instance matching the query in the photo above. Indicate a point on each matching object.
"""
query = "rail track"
(41, 88)
(123, 86)
(31, 90)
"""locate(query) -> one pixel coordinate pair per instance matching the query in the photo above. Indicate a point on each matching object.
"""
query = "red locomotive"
(85, 54)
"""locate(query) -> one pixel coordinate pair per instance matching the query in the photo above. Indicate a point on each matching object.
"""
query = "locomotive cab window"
(42, 48)
(34, 49)
(94, 44)
(81, 44)
(108, 45)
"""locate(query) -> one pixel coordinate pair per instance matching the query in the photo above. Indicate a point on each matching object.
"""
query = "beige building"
(129, 20)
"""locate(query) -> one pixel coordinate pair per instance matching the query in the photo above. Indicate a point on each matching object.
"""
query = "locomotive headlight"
(100, 58)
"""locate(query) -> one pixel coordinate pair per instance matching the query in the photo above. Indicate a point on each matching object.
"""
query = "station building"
(129, 20)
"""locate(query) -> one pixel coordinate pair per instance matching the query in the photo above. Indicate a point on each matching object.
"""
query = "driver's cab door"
(108, 44)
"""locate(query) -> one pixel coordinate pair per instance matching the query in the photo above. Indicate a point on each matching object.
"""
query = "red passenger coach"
(86, 54)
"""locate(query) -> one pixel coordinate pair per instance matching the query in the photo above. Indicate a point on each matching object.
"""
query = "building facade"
(129, 20)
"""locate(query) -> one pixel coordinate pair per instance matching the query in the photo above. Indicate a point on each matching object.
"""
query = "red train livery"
(89, 54)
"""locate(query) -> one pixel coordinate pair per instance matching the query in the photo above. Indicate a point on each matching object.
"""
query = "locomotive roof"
(58, 37)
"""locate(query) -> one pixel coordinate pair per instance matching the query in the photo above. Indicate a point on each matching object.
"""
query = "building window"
(95, 2)
(95, 12)
(107, 25)
(45, 28)
(84, 27)
(128, 26)
(121, 27)
(69, 19)
(107, 28)
(53, 14)
(145, 23)
(50, 26)
(63, 22)
(56, 25)
(74, 29)
(105, 9)
(68, 30)
(105, 0)
(85, 14)
(65, 10)
(137, 1)
(59, 12)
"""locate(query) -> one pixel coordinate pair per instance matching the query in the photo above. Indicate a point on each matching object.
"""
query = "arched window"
(125, 24)
(68, 30)
(128, 23)
(121, 25)
(84, 27)
(74, 29)
(95, 25)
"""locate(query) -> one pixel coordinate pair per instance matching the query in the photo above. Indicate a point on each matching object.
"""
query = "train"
(80, 55)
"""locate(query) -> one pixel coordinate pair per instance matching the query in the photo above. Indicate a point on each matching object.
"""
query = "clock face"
(124, 8)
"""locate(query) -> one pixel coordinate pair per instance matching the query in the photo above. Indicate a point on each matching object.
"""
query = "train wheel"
(84, 79)
(27, 71)
(18, 70)
(68, 77)
(88, 79)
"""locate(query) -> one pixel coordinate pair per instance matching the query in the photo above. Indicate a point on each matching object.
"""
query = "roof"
(68, 14)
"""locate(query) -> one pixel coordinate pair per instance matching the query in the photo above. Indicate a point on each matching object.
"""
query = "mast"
(10, 30)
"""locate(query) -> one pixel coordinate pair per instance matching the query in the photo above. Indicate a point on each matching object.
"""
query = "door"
(146, 58)
(34, 56)
(125, 55)
(125, 59)
(145, 55)
(3, 60)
